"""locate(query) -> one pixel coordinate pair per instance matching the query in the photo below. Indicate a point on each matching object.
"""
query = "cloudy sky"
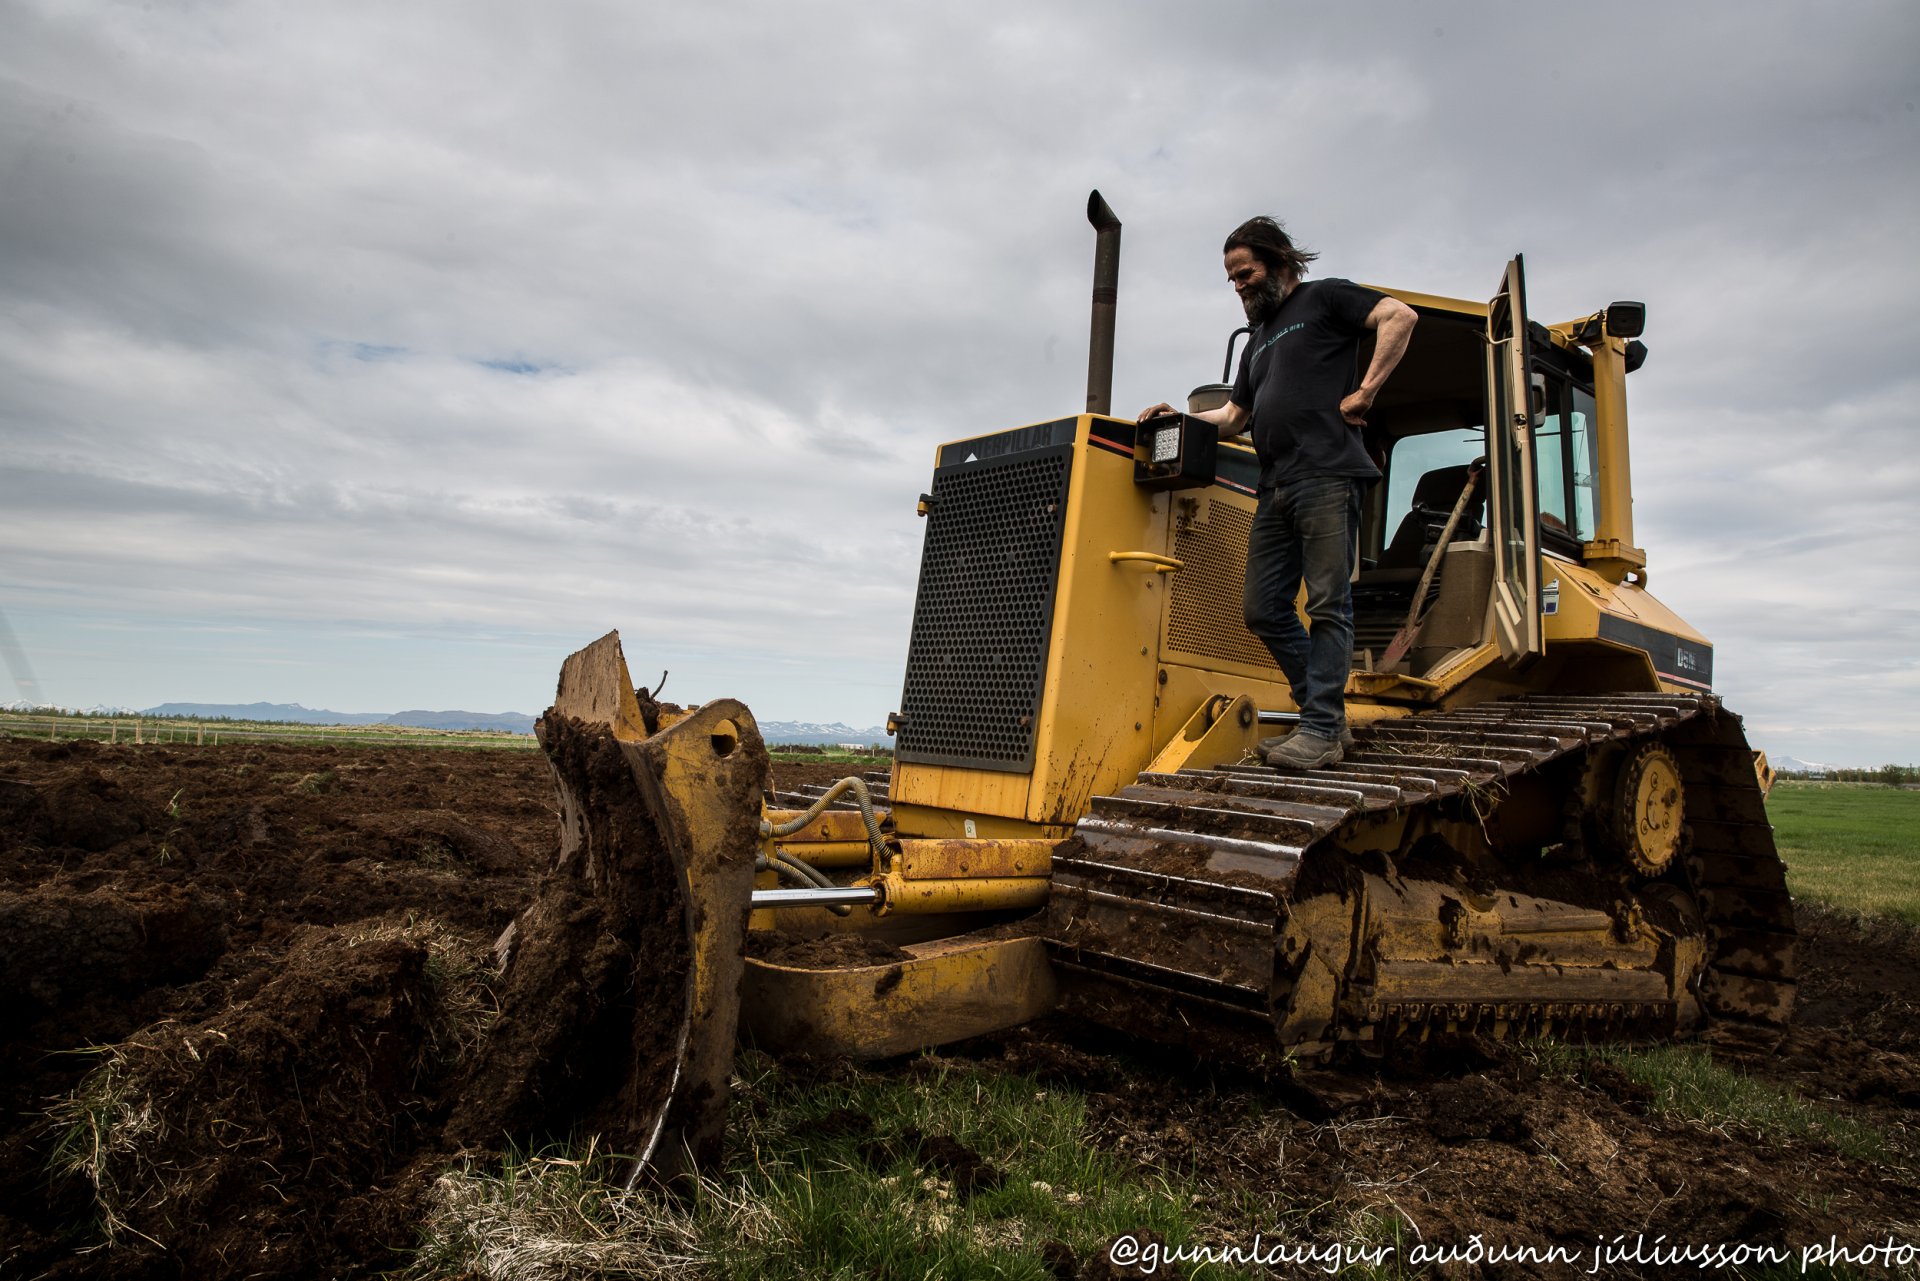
(372, 356)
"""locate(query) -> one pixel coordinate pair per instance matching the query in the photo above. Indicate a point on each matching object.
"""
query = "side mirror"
(1626, 319)
(1208, 396)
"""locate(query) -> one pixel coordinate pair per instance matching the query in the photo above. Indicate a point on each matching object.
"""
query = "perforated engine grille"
(978, 655)
(1204, 615)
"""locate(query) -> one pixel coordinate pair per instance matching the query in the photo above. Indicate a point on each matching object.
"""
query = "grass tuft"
(99, 1129)
(462, 996)
(549, 1216)
(1687, 1084)
(834, 1172)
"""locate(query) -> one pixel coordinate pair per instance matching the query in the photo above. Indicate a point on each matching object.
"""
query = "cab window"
(1564, 462)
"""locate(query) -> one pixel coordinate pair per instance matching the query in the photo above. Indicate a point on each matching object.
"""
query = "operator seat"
(1433, 500)
(1382, 594)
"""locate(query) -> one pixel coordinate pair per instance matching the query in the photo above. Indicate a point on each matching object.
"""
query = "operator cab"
(1428, 434)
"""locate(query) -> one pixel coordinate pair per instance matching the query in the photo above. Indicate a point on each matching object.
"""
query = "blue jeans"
(1305, 530)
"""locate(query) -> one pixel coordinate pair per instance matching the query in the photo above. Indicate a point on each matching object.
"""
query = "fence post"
(115, 727)
(136, 732)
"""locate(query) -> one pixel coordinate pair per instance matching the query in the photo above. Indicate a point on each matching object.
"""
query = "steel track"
(1164, 953)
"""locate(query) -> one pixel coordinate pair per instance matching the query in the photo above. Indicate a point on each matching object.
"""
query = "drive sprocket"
(1649, 809)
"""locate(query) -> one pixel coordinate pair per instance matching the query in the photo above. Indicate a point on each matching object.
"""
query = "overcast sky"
(373, 356)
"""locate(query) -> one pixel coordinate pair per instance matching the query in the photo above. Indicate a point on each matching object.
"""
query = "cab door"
(1513, 518)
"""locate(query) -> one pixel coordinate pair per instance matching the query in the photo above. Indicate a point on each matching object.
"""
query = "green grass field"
(205, 733)
(827, 1176)
(1854, 846)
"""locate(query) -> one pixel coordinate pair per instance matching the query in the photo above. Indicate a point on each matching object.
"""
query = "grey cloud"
(601, 306)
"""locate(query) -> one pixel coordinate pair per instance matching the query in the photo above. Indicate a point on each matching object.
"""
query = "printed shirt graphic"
(1298, 365)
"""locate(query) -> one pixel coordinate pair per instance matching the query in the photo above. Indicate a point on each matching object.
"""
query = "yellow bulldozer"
(1547, 822)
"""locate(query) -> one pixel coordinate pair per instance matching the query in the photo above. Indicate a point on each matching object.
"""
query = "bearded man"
(1296, 390)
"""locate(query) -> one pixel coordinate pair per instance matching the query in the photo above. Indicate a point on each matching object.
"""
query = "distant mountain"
(291, 713)
(294, 713)
(509, 722)
(810, 732)
(1794, 765)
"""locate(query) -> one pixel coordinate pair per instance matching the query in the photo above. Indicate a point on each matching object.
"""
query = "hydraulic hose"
(863, 798)
(798, 869)
(794, 869)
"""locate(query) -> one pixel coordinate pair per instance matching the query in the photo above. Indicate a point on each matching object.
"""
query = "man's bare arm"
(1230, 418)
(1392, 322)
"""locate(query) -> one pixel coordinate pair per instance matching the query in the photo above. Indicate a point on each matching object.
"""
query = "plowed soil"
(257, 959)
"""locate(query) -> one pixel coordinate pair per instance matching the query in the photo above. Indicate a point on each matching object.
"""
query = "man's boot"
(1266, 745)
(1303, 749)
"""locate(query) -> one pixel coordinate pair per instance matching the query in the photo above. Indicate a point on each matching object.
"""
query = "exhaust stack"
(1106, 298)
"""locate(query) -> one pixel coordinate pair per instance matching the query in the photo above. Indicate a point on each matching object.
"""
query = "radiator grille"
(978, 655)
(1204, 615)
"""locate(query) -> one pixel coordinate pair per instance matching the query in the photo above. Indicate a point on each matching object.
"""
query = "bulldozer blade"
(621, 1002)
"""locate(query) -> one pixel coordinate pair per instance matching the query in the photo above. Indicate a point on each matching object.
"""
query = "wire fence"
(147, 730)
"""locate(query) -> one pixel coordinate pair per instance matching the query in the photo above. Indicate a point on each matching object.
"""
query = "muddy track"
(1176, 903)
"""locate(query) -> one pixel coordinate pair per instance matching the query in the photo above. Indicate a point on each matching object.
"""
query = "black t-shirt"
(1297, 367)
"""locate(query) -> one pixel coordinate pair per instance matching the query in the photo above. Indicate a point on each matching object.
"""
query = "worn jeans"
(1305, 530)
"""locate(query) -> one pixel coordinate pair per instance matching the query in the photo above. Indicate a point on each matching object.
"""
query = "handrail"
(1161, 564)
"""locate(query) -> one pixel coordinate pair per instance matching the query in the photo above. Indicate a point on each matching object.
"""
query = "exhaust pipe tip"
(1098, 212)
(1106, 298)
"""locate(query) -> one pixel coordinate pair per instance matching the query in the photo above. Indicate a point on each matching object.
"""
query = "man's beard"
(1262, 300)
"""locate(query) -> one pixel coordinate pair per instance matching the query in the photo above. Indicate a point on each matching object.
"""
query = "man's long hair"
(1268, 241)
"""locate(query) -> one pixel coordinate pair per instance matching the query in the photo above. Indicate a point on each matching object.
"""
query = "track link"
(1249, 903)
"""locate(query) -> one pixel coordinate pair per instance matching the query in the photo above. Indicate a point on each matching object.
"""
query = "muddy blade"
(622, 979)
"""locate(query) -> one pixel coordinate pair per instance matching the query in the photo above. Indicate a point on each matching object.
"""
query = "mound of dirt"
(1860, 976)
(233, 1141)
(235, 966)
(436, 837)
(1474, 1107)
(61, 948)
(561, 1051)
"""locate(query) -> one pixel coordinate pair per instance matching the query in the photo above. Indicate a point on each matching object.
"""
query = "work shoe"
(1266, 745)
(1304, 749)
